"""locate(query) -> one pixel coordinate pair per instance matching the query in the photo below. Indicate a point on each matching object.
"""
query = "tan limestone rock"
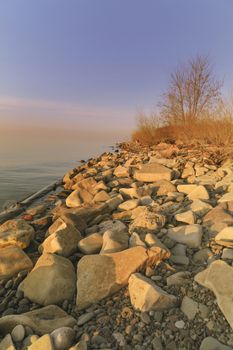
(152, 172)
(51, 281)
(41, 321)
(218, 277)
(13, 260)
(16, 232)
(146, 296)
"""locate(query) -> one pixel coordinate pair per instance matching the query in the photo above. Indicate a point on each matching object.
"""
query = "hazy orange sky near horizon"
(32, 114)
(90, 66)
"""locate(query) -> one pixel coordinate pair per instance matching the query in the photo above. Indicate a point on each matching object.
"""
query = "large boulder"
(99, 276)
(190, 235)
(51, 281)
(146, 296)
(13, 260)
(64, 241)
(16, 232)
(152, 172)
(41, 321)
(218, 277)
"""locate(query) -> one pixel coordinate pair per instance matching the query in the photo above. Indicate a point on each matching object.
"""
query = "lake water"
(29, 163)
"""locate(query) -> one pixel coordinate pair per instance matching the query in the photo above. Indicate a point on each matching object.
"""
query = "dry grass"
(211, 130)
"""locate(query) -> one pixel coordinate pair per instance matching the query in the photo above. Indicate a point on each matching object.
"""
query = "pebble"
(18, 333)
(180, 324)
(63, 338)
(85, 318)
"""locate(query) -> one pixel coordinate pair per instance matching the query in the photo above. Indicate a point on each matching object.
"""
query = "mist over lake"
(32, 159)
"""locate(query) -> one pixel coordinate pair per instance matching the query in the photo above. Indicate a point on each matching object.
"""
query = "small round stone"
(63, 338)
(18, 333)
(180, 324)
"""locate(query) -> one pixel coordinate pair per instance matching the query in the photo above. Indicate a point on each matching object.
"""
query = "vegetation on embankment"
(192, 109)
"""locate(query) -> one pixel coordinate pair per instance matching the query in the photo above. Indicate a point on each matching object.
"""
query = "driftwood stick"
(41, 192)
(22, 205)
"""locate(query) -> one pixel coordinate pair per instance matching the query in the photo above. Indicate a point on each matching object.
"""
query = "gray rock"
(7, 343)
(179, 278)
(189, 307)
(41, 321)
(211, 343)
(63, 338)
(227, 254)
(81, 345)
(190, 235)
(18, 333)
(85, 318)
(156, 344)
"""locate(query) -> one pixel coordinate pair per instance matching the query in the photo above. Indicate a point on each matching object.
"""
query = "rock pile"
(135, 252)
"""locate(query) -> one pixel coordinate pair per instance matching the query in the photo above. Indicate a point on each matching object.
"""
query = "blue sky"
(95, 63)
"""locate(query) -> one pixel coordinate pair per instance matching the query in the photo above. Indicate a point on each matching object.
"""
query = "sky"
(92, 65)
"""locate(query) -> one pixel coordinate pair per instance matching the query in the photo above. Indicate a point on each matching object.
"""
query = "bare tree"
(193, 92)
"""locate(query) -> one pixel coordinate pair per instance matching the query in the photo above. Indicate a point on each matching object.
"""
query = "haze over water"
(35, 158)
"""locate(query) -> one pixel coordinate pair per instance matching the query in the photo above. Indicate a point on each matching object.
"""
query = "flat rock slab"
(190, 235)
(199, 207)
(218, 277)
(42, 321)
(152, 172)
(16, 232)
(186, 217)
(199, 192)
(51, 281)
(225, 237)
(146, 296)
(99, 276)
(13, 260)
(186, 188)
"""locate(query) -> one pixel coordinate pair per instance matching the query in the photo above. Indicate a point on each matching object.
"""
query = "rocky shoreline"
(135, 252)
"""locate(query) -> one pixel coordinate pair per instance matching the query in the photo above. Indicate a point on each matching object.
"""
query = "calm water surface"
(28, 165)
